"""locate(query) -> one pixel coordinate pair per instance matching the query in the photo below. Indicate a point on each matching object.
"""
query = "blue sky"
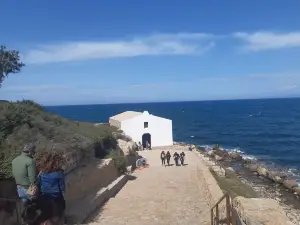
(86, 52)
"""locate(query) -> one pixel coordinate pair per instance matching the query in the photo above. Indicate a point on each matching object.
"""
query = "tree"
(9, 62)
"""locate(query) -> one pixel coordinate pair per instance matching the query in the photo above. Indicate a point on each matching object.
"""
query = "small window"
(145, 124)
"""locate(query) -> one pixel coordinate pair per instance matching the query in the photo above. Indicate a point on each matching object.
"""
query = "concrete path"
(158, 195)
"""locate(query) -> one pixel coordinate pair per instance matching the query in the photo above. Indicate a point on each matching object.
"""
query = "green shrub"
(119, 161)
(27, 122)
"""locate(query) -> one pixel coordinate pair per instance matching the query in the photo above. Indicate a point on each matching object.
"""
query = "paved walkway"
(158, 195)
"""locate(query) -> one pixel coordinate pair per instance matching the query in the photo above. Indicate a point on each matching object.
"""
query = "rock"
(229, 172)
(201, 149)
(210, 153)
(297, 190)
(221, 153)
(235, 156)
(262, 171)
(259, 211)
(230, 168)
(290, 184)
(218, 170)
(251, 167)
(274, 176)
(218, 158)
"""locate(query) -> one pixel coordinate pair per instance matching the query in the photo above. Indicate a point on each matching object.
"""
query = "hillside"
(27, 122)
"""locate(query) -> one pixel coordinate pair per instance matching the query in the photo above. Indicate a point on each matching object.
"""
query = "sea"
(267, 130)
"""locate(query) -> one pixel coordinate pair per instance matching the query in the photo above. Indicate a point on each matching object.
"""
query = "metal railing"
(229, 218)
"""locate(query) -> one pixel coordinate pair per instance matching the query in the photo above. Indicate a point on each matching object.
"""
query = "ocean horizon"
(263, 129)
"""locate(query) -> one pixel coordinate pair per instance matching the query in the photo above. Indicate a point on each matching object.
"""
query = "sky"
(112, 51)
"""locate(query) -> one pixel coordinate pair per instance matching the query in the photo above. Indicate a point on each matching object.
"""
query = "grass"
(234, 186)
(27, 122)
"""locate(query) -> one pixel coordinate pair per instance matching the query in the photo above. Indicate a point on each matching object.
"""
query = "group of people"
(177, 157)
(141, 147)
(40, 189)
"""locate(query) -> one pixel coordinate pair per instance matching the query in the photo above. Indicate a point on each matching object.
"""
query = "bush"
(27, 122)
(119, 161)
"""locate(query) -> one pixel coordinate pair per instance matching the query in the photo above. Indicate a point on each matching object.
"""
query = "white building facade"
(143, 127)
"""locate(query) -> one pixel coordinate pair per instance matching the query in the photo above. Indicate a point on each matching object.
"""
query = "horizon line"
(208, 100)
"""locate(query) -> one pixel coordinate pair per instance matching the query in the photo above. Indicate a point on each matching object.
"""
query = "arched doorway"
(146, 137)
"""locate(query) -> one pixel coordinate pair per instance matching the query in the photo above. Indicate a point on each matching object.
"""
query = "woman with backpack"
(51, 183)
(163, 158)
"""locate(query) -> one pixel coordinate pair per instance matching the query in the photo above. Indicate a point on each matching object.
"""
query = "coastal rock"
(260, 211)
(262, 171)
(251, 167)
(229, 172)
(221, 153)
(297, 190)
(218, 158)
(290, 184)
(235, 156)
(218, 170)
(201, 149)
(210, 163)
(210, 153)
(274, 176)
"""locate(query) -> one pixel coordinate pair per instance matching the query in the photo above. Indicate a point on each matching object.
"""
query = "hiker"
(163, 158)
(182, 156)
(176, 158)
(168, 156)
(140, 146)
(52, 186)
(148, 146)
(24, 172)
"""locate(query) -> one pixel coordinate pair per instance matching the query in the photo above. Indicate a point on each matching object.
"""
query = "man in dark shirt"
(176, 158)
(182, 156)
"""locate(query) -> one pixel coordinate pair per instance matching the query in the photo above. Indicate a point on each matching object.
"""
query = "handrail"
(230, 220)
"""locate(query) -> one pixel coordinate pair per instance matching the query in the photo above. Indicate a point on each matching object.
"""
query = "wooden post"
(212, 216)
(228, 210)
(217, 214)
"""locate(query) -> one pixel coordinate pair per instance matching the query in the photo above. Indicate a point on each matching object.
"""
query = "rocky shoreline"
(274, 183)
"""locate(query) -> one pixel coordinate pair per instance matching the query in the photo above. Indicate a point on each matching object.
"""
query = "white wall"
(159, 128)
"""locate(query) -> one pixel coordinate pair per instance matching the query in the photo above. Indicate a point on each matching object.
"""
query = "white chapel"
(143, 127)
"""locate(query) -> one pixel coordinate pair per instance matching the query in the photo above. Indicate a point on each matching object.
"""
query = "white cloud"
(288, 88)
(260, 41)
(158, 44)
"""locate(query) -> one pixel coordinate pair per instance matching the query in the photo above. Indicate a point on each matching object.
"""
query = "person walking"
(163, 158)
(168, 156)
(176, 158)
(182, 156)
(52, 186)
(24, 172)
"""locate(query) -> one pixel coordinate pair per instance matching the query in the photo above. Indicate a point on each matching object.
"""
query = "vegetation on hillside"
(27, 122)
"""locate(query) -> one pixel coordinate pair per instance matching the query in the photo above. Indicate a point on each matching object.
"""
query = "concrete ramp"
(158, 195)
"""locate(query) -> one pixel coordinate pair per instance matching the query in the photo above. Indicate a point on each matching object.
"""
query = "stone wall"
(259, 211)
(89, 177)
(248, 211)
